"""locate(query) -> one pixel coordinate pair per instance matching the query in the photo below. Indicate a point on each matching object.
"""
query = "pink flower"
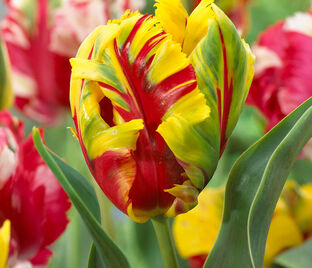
(283, 68)
(30, 196)
(41, 37)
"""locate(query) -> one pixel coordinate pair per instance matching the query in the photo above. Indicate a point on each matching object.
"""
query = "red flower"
(283, 68)
(30, 196)
(41, 38)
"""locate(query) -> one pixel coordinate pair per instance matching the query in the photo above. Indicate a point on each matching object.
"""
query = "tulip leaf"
(253, 188)
(84, 199)
(298, 257)
(6, 93)
(94, 259)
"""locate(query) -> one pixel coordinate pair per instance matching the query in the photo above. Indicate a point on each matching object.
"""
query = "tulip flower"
(196, 231)
(154, 100)
(282, 68)
(41, 36)
(30, 197)
(6, 95)
(4, 243)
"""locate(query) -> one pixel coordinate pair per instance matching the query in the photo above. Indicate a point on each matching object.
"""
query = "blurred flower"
(30, 197)
(5, 231)
(139, 93)
(237, 10)
(282, 69)
(196, 231)
(6, 95)
(41, 36)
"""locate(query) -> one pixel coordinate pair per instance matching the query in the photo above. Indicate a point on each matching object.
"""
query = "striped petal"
(223, 66)
(129, 79)
(5, 231)
(6, 94)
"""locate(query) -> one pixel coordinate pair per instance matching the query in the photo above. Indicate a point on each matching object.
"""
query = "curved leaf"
(84, 199)
(254, 186)
(6, 93)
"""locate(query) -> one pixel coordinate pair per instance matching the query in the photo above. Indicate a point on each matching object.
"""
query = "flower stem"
(165, 241)
(105, 211)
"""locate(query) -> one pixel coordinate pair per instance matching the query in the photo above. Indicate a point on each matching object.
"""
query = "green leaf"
(94, 259)
(84, 199)
(298, 257)
(6, 93)
(253, 188)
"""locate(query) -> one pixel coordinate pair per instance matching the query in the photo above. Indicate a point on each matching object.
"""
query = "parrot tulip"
(30, 197)
(154, 100)
(282, 68)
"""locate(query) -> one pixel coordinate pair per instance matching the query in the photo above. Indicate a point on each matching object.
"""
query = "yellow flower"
(196, 230)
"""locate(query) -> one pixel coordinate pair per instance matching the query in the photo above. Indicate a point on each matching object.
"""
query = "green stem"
(165, 241)
(105, 211)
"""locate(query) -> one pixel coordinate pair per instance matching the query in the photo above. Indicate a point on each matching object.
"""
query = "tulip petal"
(196, 230)
(197, 25)
(223, 66)
(173, 17)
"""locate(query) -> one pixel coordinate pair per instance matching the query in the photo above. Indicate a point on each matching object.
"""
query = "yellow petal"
(283, 234)
(195, 231)
(168, 60)
(83, 51)
(5, 231)
(303, 208)
(197, 25)
(173, 18)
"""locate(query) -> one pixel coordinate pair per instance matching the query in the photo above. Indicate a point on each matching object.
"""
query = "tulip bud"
(154, 100)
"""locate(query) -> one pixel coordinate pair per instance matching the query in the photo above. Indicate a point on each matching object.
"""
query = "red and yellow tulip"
(155, 99)
(5, 231)
(196, 231)
(282, 67)
(31, 198)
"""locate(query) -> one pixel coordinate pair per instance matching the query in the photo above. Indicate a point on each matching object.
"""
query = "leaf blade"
(110, 254)
(248, 190)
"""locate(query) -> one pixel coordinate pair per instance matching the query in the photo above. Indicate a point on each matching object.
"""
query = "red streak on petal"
(227, 99)
(136, 27)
